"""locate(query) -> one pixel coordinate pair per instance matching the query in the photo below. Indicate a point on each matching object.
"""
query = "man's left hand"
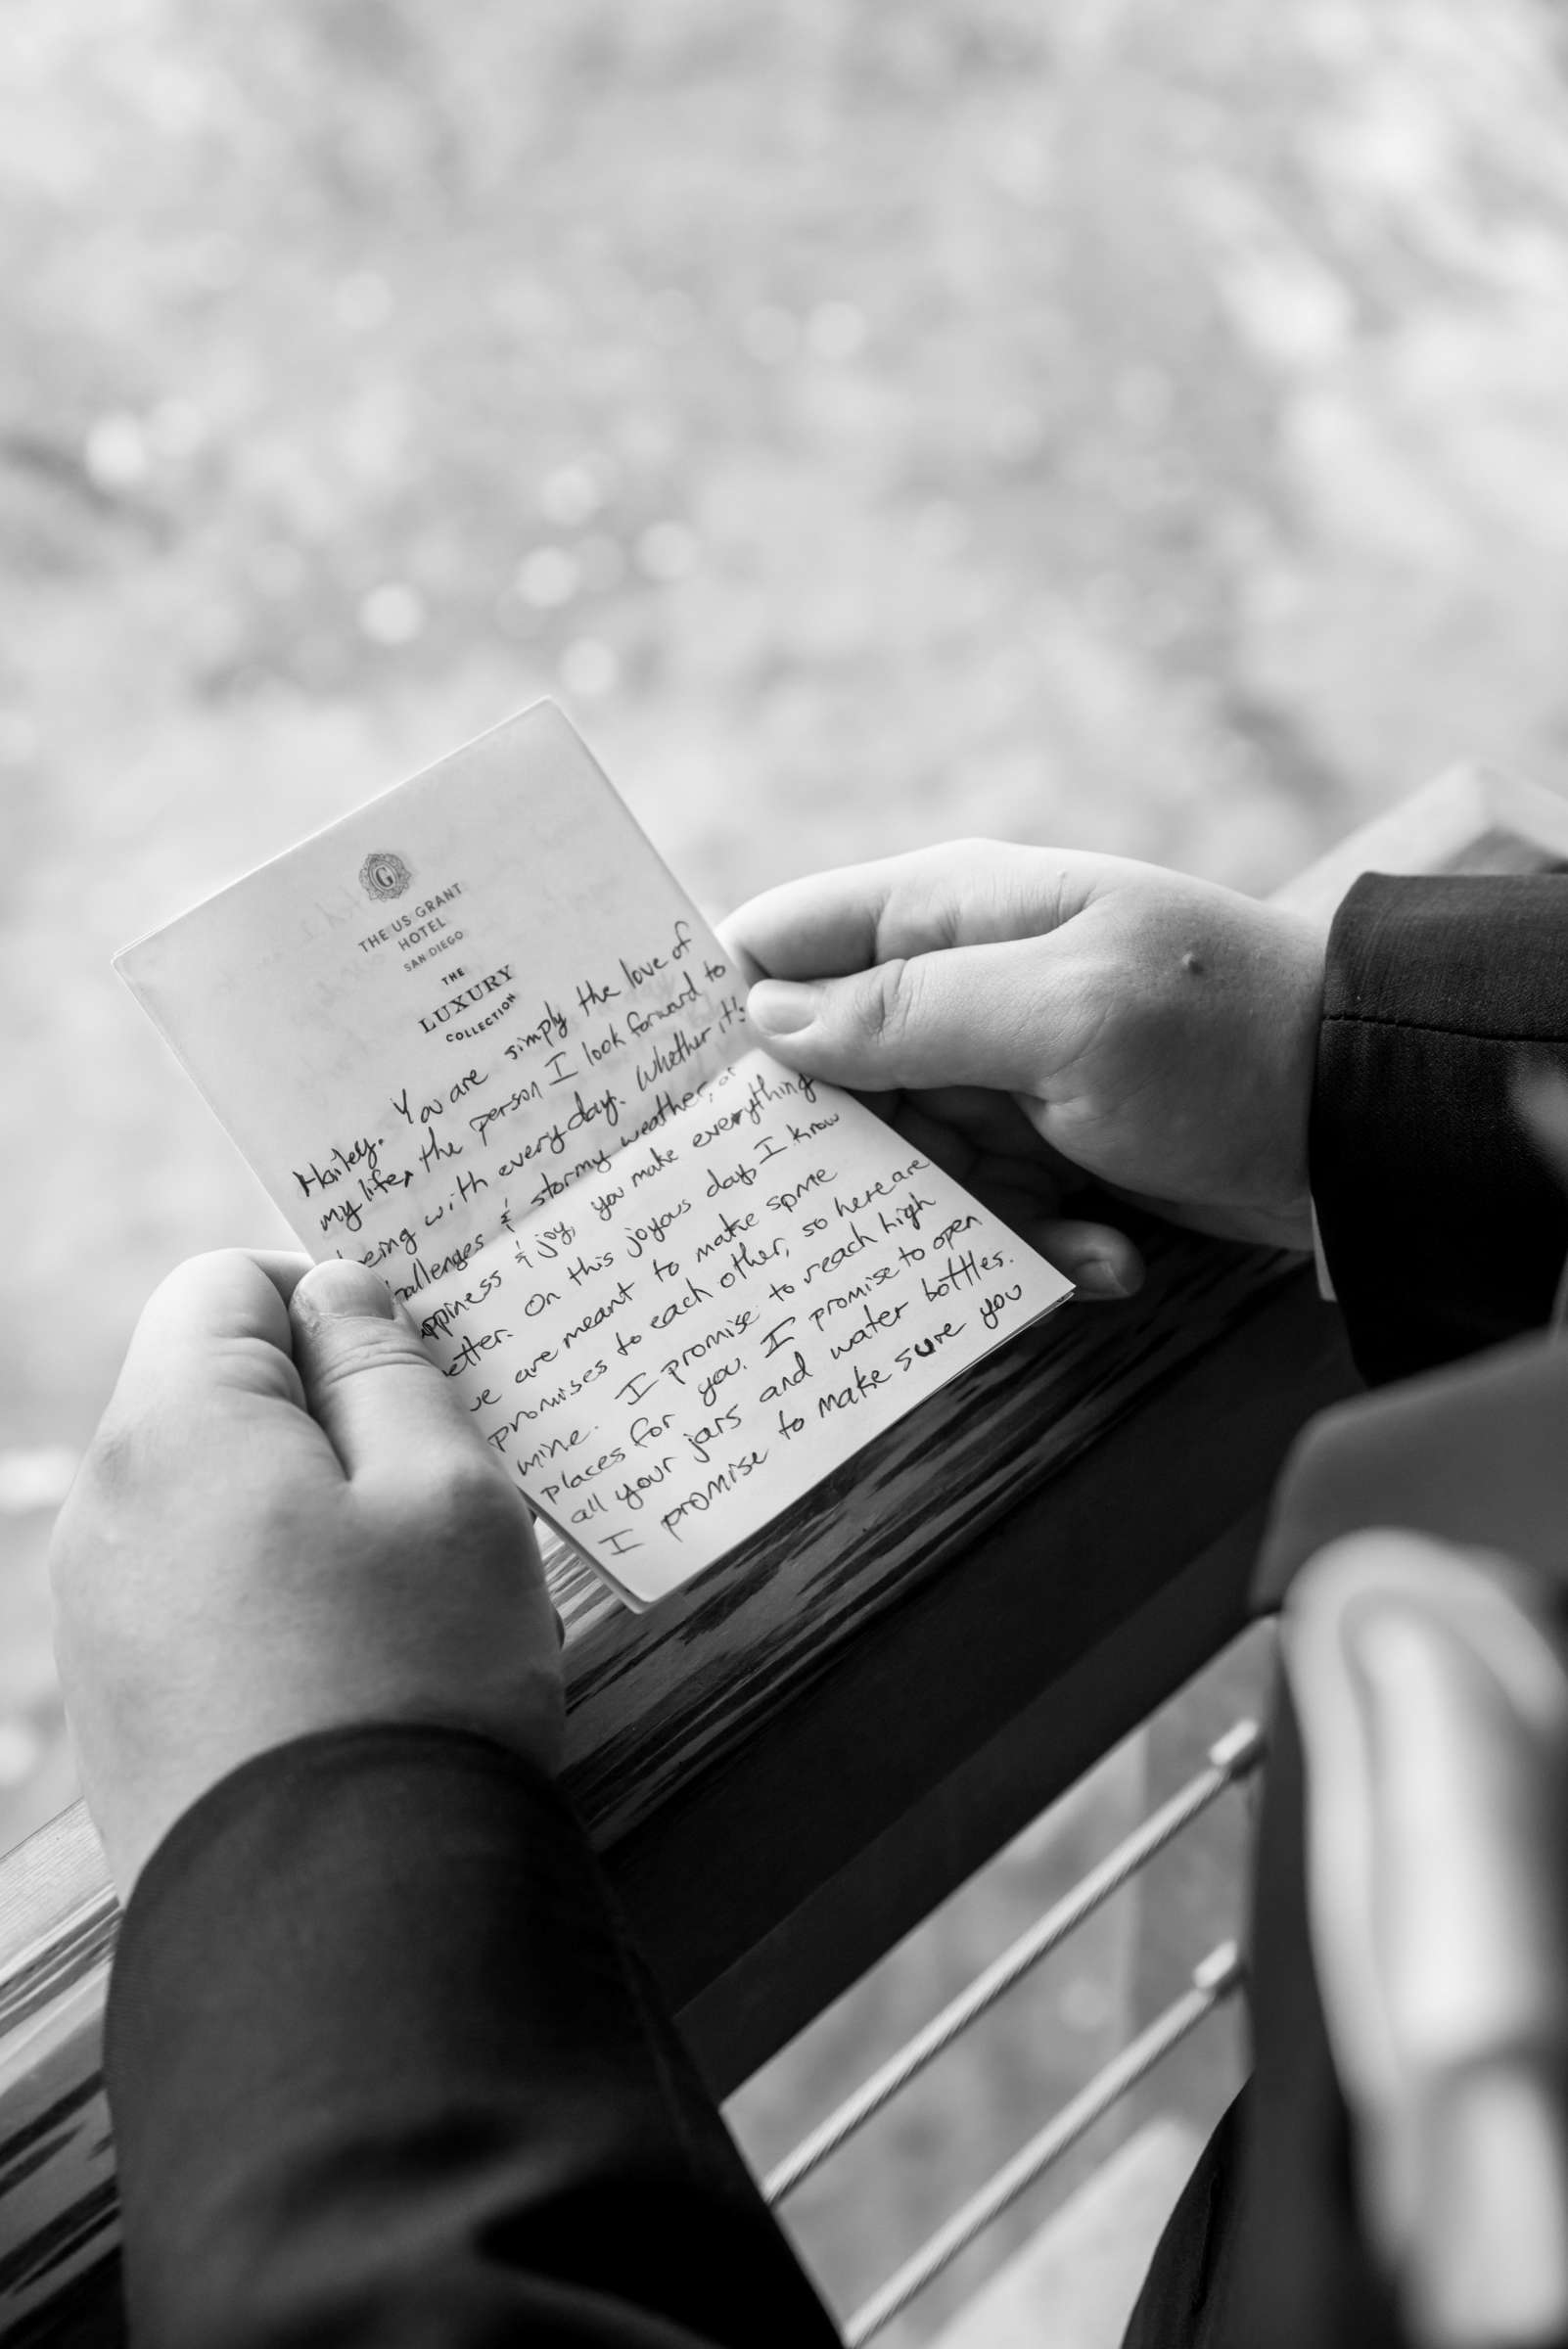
(286, 1523)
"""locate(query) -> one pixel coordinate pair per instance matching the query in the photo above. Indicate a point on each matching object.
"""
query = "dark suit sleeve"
(1443, 1229)
(382, 2069)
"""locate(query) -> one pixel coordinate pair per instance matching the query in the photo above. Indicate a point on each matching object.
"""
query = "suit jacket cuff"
(379, 2055)
(1442, 1231)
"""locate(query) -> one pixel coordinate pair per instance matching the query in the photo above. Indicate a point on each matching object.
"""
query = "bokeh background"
(1133, 422)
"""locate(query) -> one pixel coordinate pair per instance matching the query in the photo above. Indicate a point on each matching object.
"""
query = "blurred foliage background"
(1115, 422)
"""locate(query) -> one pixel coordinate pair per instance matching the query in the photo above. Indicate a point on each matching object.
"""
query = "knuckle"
(887, 1004)
(213, 1269)
(215, 1262)
(367, 1348)
(479, 1506)
(482, 1486)
(103, 1508)
(115, 1461)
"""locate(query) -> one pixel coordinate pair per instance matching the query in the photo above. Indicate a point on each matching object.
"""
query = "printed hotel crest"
(383, 874)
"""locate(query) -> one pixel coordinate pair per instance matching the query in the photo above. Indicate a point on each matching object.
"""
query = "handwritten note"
(475, 1036)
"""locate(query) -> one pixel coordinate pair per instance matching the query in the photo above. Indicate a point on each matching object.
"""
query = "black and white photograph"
(784, 917)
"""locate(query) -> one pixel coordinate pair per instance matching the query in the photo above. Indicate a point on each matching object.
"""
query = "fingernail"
(1490, 2259)
(339, 1291)
(779, 1008)
(1097, 1276)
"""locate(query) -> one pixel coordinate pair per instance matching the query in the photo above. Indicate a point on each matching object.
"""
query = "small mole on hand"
(1192, 962)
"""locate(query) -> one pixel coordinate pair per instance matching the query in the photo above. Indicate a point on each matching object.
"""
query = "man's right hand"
(1047, 1013)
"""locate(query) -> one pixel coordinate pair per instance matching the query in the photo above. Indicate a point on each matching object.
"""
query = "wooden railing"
(832, 1733)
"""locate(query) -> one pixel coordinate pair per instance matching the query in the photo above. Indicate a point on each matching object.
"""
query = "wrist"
(1303, 964)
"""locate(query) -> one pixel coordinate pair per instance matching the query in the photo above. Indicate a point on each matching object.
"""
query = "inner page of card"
(476, 1035)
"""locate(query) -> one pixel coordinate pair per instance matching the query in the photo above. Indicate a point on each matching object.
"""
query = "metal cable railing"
(1233, 1757)
(1213, 1981)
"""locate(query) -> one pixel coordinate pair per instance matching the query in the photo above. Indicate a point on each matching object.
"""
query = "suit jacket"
(381, 2065)
(384, 2069)
(1444, 1235)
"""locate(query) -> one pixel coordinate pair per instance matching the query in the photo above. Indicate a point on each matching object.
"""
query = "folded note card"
(474, 1035)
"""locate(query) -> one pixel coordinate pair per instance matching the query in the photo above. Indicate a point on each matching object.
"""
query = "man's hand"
(1047, 1016)
(286, 1523)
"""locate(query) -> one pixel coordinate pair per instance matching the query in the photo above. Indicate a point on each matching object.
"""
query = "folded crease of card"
(474, 1035)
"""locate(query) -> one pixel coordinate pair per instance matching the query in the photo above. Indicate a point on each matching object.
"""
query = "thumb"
(962, 1015)
(369, 1383)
